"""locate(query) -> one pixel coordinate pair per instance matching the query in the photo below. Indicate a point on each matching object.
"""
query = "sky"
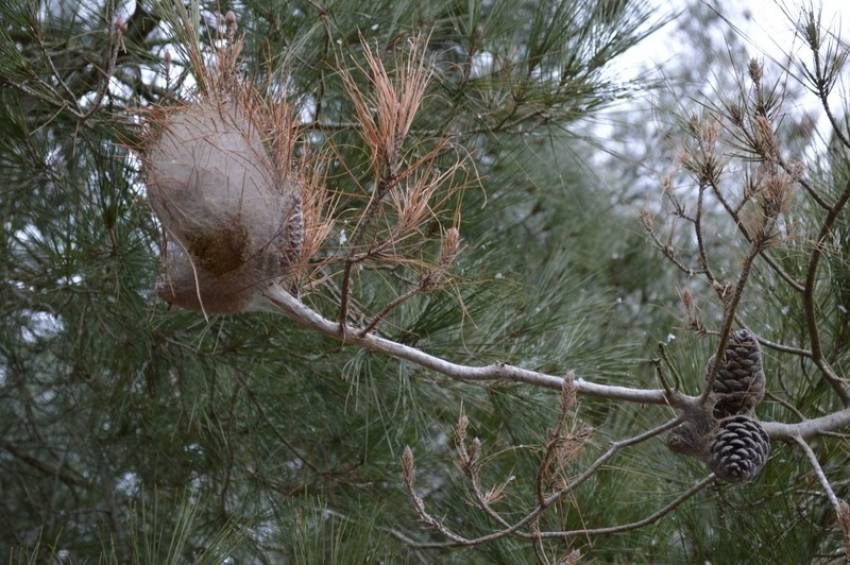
(766, 27)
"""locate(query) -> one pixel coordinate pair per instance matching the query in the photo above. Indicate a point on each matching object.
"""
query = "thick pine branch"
(280, 301)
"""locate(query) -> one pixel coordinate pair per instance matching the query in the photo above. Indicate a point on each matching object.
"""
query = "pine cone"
(740, 381)
(739, 449)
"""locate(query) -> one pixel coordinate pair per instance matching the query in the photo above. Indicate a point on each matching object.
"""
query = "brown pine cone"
(739, 450)
(740, 381)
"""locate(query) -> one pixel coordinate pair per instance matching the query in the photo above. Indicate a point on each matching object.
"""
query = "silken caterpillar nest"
(221, 181)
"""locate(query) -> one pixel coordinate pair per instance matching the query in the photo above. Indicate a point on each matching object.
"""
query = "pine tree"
(442, 211)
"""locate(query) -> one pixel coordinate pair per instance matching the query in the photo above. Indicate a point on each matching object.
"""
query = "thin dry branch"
(654, 517)
(842, 511)
(792, 282)
(829, 374)
(756, 247)
(534, 515)
(703, 255)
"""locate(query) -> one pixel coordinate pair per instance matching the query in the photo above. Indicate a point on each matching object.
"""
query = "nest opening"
(221, 251)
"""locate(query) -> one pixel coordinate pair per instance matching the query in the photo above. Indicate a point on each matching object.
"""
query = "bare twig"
(654, 517)
(703, 256)
(677, 376)
(756, 247)
(391, 305)
(813, 459)
(670, 253)
(783, 347)
(515, 529)
(792, 282)
(262, 412)
(842, 510)
(69, 479)
(809, 299)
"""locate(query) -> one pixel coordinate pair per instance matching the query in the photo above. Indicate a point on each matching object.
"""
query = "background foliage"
(132, 432)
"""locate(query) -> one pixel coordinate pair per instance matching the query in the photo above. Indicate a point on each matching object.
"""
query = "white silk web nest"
(232, 224)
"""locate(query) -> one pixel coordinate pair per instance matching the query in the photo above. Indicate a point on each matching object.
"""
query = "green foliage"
(134, 432)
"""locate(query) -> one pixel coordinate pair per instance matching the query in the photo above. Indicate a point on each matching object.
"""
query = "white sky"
(768, 30)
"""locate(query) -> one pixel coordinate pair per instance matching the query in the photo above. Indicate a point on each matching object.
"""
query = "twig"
(262, 411)
(670, 253)
(677, 376)
(118, 37)
(659, 372)
(756, 247)
(842, 511)
(809, 299)
(457, 540)
(67, 478)
(740, 224)
(813, 459)
(703, 256)
(397, 301)
(382, 188)
(823, 93)
(783, 347)
(654, 517)
(775, 345)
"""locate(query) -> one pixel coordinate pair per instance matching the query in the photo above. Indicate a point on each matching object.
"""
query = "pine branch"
(808, 428)
(280, 301)
(756, 247)
(652, 518)
(283, 302)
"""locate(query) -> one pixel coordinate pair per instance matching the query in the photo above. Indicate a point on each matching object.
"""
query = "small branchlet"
(756, 71)
(844, 522)
(449, 250)
(692, 312)
(408, 469)
(700, 157)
